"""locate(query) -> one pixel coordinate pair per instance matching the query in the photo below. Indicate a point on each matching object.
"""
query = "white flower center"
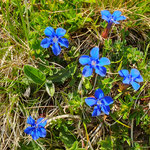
(93, 63)
(55, 39)
(99, 102)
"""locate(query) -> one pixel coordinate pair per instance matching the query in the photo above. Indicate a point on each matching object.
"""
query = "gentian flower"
(112, 18)
(55, 39)
(131, 78)
(94, 62)
(100, 101)
(37, 129)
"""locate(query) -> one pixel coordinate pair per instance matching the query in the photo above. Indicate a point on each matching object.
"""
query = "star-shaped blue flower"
(55, 39)
(112, 18)
(131, 78)
(100, 101)
(36, 130)
(94, 62)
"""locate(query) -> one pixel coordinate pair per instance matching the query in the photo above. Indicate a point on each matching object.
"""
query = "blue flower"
(112, 18)
(55, 39)
(100, 101)
(94, 62)
(37, 129)
(131, 78)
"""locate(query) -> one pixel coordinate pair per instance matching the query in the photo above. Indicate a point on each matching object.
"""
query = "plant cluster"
(99, 101)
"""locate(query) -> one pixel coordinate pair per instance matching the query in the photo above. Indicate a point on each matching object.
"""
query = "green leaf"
(87, 84)
(66, 138)
(74, 146)
(30, 146)
(34, 74)
(64, 74)
(107, 144)
(120, 66)
(50, 88)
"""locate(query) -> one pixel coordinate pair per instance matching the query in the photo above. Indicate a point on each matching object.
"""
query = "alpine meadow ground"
(74, 74)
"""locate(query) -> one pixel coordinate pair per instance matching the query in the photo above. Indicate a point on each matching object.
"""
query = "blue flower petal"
(123, 73)
(107, 100)
(56, 49)
(106, 18)
(41, 132)
(121, 18)
(28, 130)
(30, 121)
(91, 101)
(135, 85)
(35, 134)
(94, 53)
(87, 71)
(105, 109)
(134, 73)
(116, 22)
(96, 111)
(40, 122)
(49, 31)
(63, 42)
(105, 13)
(45, 43)
(99, 94)
(100, 70)
(60, 32)
(139, 79)
(116, 14)
(104, 61)
(126, 80)
(84, 60)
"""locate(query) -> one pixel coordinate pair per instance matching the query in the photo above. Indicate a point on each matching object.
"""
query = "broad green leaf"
(67, 138)
(34, 74)
(50, 88)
